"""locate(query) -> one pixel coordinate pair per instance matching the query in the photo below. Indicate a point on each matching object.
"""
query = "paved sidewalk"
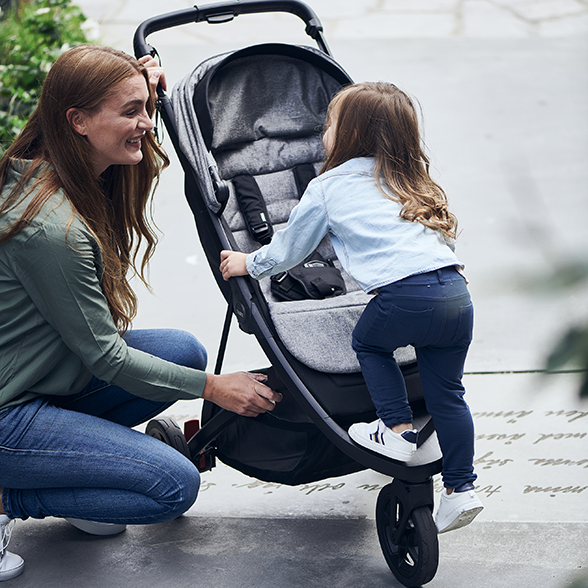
(365, 19)
(504, 86)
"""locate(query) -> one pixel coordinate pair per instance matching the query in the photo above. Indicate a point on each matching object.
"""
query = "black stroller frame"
(406, 531)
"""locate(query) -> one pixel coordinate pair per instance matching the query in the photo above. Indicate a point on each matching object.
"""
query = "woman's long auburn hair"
(376, 119)
(113, 206)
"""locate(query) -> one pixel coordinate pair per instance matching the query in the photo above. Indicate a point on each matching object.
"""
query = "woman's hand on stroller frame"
(241, 392)
(155, 72)
(233, 263)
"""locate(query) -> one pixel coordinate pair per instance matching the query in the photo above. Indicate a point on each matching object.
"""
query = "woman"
(74, 379)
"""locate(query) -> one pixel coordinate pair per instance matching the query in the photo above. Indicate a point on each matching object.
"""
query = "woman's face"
(115, 130)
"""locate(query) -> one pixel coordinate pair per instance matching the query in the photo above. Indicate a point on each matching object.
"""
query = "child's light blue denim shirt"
(374, 245)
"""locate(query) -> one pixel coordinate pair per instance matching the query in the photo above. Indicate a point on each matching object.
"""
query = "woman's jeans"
(432, 312)
(76, 456)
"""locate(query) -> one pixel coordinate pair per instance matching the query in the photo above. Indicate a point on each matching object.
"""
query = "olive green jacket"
(55, 327)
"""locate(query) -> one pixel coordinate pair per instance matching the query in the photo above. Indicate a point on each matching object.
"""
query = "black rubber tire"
(415, 559)
(167, 430)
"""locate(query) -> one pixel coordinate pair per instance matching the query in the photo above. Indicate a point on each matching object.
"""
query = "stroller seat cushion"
(270, 155)
(318, 332)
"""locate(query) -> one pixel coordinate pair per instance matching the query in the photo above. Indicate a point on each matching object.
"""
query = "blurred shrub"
(33, 34)
(572, 348)
(580, 582)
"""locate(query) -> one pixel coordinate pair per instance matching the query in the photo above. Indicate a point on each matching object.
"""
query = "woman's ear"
(77, 120)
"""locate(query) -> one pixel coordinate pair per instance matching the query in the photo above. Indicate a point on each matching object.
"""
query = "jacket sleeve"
(307, 225)
(60, 271)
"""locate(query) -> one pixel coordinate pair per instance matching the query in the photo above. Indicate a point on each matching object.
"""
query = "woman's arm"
(60, 272)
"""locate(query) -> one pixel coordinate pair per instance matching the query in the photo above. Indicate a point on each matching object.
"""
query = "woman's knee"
(194, 354)
(185, 349)
(183, 491)
(189, 490)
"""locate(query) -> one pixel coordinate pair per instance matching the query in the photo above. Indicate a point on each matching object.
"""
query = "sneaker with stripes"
(381, 439)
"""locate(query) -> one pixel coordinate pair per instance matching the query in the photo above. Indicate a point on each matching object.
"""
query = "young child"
(391, 230)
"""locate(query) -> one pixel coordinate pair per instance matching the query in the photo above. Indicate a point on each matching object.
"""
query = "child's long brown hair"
(376, 119)
(113, 205)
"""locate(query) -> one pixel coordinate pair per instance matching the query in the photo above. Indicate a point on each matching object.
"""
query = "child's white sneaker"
(458, 509)
(379, 438)
(97, 528)
(11, 565)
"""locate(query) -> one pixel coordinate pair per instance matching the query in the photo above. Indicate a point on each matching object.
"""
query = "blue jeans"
(432, 312)
(76, 456)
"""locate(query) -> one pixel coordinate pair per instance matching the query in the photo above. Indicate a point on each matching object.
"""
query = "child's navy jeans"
(432, 312)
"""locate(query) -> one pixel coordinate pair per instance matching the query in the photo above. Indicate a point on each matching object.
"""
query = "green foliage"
(580, 582)
(572, 348)
(33, 34)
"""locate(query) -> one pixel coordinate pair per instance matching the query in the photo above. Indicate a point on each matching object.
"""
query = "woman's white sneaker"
(96, 528)
(458, 509)
(379, 438)
(11, 565)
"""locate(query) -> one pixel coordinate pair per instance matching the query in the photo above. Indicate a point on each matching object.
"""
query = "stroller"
(253, 118)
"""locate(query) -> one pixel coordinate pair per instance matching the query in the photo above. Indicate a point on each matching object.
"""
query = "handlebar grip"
(224, 12)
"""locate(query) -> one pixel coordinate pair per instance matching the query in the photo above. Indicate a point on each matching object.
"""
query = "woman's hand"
(233, 263)
(155, 72)
(242, 392)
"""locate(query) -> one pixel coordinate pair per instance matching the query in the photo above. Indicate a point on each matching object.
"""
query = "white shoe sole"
(13, 572)
(96, 528)
(463, 519)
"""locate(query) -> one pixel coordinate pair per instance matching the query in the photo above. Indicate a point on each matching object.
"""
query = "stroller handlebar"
(222, 12)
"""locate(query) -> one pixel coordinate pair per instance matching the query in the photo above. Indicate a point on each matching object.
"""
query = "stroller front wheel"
(414, 558)
(167, 430)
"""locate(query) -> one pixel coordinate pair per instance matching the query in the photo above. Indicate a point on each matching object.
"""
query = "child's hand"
(233, 263)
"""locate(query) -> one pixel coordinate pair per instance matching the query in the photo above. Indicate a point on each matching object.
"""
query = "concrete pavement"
(503, 86)
(365, 20)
